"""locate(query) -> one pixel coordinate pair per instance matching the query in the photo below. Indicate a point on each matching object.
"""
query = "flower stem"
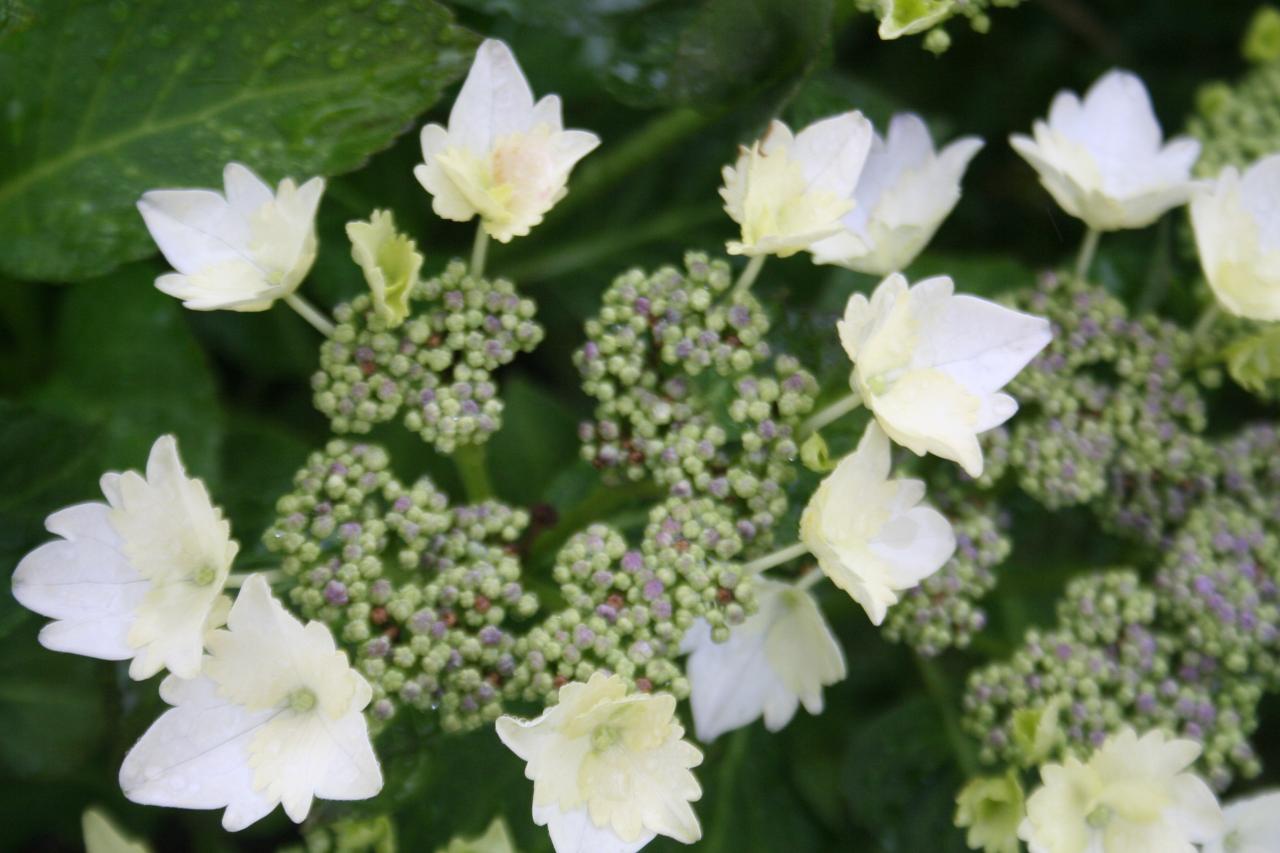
(470, 461)
(1208, 319)
(237, 580)
(311, 314)
(1087, 250)
(821, 418)
(479, 251)
(777, 558)
(810, 580)
(935, 684)
(748, 276)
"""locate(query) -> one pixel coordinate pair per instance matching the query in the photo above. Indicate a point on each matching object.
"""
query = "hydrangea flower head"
(139, 577)
(930, 364)
(503, 157)
(274, 718)
(239, 250)
(870, 534)
(789, 191)
(1237, 228)
(780, 657)
(905, 191)
(1103, 158)
(610, 770)
(1134, 795)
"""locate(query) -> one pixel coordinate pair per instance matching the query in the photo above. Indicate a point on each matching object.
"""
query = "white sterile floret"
(610, 771)
(904, 193)
(275, 717)
(1134, 795)
(1103, 159)
(870, 534)
(929, 364)
(778, 658)
(239, 251)
(139, 576)
(503, 157)
(1237, 226)
(1252, 825)
(790, 191)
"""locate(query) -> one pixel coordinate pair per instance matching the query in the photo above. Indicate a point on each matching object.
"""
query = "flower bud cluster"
(943, 611)
(1237, 124)
(1218, 588)
(627, 609)
(1107, 417)
(936, 39)
(1110, 662)
(437, 368)
(689, 394)
(422, 595)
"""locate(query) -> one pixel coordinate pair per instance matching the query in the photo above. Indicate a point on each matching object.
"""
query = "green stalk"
(470, 460)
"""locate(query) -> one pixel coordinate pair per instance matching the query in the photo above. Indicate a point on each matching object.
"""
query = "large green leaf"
(104, 100)
(127, 363)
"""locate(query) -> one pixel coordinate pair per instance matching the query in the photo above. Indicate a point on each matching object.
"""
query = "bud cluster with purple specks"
(689, 393)
(437, 368)
(422, 595)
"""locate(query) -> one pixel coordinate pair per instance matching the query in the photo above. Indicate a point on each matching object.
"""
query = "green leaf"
(127, 362)
(1253, 361)
(105, 100)
(537, 441)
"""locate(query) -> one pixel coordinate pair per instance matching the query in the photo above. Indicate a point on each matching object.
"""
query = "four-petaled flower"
(1103, 160)
(790, 191)
(503, 157)
(870, 534)
(1134, 795)
(240, 251)
(929, 364)
(780, 657)
(610, 771)
(904, 193)
(274, 717)
(139, 576)
(1237, 228)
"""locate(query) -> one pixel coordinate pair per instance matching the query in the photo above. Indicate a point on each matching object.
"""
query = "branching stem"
(311, 314)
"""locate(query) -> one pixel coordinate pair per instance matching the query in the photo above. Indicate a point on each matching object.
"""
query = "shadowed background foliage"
(103, 99)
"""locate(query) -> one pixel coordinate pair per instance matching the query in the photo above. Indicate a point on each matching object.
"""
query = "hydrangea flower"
(610, 771)
(390, 262)
(1134, 795)
(905, 191)
(503, 157)
(1252, 825)
(274, 717)
(139, 577)
(1237, 228)
(788, 191)
(870, 534)
(240, 250)
(780, 657)
(929, 364)
(990, 809)
(1103, 159)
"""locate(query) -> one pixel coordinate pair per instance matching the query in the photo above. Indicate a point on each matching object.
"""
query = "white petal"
(978, 343)
(915, 544)
(573, 832)
(731, 683)
(246, 192)
(196, 756)
(195, 229)
(495, 99)
(833, 151)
